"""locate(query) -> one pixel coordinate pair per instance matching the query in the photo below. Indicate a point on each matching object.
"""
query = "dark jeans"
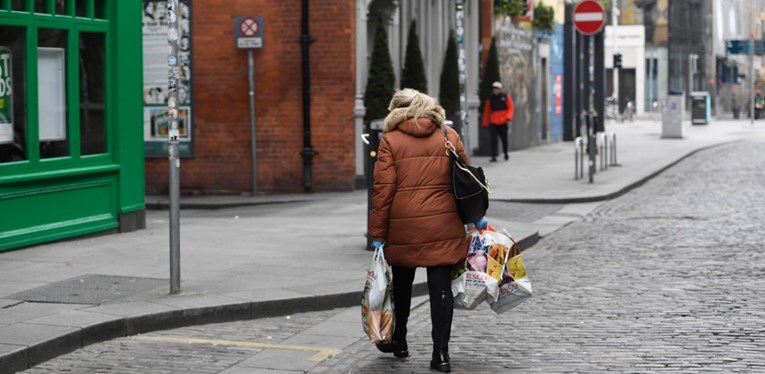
(441, 302)
(501, 133)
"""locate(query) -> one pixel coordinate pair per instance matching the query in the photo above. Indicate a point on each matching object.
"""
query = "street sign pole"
(615, 40)
(173, 35)
(751, 78)
(589, 18)
(251, 64)
(460, 15)
(591, 109)
(249, 35)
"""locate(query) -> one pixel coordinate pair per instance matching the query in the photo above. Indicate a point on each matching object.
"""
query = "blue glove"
(481, 224)
(377, 244)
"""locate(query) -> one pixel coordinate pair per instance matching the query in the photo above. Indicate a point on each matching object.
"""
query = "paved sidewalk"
(251, 257)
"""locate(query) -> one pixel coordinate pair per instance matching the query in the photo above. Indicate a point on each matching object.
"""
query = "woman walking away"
(414, 215)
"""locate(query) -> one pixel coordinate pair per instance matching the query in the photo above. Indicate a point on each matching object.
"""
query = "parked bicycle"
(629, 111)
(612, 109)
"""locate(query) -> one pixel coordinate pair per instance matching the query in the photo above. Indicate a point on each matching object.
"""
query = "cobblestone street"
(668, 278)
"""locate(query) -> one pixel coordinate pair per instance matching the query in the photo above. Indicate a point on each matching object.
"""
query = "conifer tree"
(490, 74)
(449, 90)
(381, 78)
(413, 73)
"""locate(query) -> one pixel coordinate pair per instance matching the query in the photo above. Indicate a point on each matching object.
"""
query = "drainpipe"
(308, 152)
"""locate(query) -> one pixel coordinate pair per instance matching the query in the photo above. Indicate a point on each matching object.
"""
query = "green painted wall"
(49, 199)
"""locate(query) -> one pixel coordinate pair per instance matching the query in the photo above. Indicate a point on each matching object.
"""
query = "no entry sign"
(589, 17)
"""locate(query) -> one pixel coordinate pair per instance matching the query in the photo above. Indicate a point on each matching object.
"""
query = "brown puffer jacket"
(413, 204)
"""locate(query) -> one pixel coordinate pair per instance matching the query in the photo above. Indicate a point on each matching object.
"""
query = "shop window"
(41, 6)
(18, 5)
(92, 86)
(99, 9)
(61, 7)
(79, 7)
(51, 91)
(12, 110)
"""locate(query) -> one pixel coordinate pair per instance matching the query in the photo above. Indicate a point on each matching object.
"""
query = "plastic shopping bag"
(377, 300)
(475, 280)
(515, 286)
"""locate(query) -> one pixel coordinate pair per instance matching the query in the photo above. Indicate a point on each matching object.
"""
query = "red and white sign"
(589, 17)
(249, 27)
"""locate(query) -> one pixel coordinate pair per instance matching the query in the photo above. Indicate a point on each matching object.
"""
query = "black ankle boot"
(398, 348)
(440, 361)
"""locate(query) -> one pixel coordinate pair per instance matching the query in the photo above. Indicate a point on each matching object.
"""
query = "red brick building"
(222, 158)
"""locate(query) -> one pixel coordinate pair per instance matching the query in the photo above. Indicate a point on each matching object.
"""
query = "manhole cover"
(90, 289)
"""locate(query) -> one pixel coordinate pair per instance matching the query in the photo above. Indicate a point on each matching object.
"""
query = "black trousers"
(441, 302)
(501, 133)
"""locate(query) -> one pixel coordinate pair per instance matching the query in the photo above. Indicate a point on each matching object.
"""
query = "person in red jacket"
(497, 115)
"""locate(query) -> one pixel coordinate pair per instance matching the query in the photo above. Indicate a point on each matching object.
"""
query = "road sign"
(742, 47)
(249, 32)
(759, 47)
(738, 47)
(589, 17)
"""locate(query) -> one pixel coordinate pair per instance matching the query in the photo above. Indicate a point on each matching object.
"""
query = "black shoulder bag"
(471, 188)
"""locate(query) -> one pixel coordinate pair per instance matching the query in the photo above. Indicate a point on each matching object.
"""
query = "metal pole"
(460, 15)
(615, 71)
(649, 74)
(690, 74)
(308, 152)
(751, 76)
(251, 63)
(591, 109)
(173, 35)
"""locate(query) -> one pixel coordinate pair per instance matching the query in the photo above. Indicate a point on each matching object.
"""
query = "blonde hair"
(415, 104)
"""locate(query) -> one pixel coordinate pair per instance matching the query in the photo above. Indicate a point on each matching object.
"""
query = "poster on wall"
(556, 91)
(155, 79)
(6, 97)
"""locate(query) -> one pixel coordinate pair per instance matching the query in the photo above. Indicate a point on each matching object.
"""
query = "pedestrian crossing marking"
(322, 353)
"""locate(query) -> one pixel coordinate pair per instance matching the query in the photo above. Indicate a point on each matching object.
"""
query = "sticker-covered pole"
(173, 35)
(460, 18)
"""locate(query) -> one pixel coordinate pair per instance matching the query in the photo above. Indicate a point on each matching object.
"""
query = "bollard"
(605, 151)
(613, 150)
(580, 150)
(577, 155)
(598, 137)
(592, 144)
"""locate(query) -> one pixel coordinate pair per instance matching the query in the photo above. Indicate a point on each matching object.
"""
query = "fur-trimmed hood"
(399, 115)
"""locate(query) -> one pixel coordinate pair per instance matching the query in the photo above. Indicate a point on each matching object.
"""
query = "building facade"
(71, 157)
(221, 160)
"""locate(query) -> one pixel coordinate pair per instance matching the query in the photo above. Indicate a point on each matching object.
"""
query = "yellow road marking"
(322, 353)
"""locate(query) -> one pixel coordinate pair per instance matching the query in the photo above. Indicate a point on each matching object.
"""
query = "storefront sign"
(155, 78)
(6, 97)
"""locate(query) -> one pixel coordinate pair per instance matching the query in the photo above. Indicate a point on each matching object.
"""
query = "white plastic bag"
(377, 301)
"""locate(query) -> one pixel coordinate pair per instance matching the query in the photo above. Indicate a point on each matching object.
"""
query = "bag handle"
(450, 150)
(515, 245)
(378, 253)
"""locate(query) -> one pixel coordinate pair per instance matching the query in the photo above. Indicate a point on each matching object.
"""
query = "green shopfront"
(71, 127)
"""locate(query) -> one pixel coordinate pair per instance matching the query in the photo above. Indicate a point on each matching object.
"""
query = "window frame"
(34, 167)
